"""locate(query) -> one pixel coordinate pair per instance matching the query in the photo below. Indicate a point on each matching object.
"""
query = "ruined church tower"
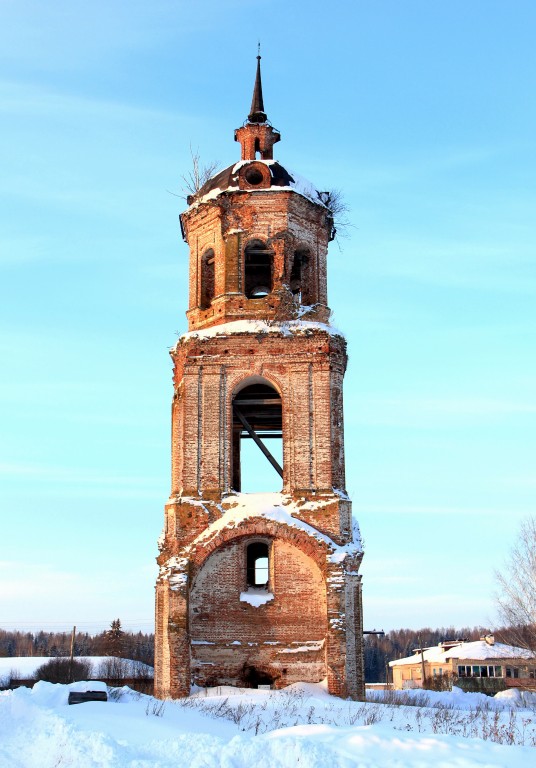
(258, 588)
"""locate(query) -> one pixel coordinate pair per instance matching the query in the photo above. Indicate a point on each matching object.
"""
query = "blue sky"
(423, 114)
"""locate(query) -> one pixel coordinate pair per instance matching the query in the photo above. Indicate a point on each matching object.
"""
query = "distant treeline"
(113, 642)
(379, 650)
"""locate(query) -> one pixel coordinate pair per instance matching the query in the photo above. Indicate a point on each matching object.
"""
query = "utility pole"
(422, 663)
(72, 655)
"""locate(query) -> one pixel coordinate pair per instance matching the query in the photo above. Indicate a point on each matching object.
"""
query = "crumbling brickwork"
(285, 644)
(260, 358)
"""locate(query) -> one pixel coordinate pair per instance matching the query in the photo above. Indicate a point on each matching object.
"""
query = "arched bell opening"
(258, 270)
(300, 277)
(257, 418)
(207, 279)
(257, 149)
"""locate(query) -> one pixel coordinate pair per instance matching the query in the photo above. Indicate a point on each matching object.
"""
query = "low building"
(479, 664)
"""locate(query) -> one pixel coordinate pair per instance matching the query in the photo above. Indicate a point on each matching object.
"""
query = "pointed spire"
(257, 113)
(257, 136)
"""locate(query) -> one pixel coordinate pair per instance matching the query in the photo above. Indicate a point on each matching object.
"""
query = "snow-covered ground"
(301, 726)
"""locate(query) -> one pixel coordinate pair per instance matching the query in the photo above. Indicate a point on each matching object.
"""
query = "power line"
(68, 623)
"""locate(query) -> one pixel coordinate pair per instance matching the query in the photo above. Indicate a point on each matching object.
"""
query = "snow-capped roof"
(434, 654)
(478, 650)
(281, 179)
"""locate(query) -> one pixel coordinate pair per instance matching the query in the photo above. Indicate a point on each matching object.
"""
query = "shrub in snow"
(118, 671)
(439, 683)
(487, 685)
(6, 680)
(62, 670)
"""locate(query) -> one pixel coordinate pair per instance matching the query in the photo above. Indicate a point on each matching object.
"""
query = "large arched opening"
(257, 442)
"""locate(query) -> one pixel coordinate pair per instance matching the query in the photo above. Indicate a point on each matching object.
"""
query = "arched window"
(207, 279)
(300, 276)
(258, 270)
(257, 567)
(257, 417)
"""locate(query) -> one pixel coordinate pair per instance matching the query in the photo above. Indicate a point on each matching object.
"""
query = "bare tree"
(334, 201)
(198, 175)
(516, 599)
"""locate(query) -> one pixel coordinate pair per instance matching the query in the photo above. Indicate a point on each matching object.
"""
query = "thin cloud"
(426, 412)
(33, 593)
(406, 510)
(28, 99)
(483, 266)
(69, 476)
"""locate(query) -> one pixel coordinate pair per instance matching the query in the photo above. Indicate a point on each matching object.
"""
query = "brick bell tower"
(258, 588)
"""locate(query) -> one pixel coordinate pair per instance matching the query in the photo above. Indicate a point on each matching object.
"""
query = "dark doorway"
(253, 677)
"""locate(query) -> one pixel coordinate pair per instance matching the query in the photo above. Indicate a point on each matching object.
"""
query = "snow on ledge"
(308, 645)
(256, 597)
(175, 570)
(285, 328)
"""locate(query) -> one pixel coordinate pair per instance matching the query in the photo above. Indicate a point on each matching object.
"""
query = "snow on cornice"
(279, 508)
(285, 328)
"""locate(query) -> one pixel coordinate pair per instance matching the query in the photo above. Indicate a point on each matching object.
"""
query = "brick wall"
(229, 635)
